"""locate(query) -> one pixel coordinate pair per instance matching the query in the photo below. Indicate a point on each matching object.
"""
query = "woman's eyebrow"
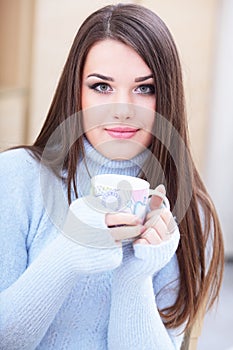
(104, 77)
(139, 79)
(100, 76)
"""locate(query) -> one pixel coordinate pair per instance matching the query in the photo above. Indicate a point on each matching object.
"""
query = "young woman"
(118, 108)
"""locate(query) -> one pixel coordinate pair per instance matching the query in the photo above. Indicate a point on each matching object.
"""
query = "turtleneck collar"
(98, 164)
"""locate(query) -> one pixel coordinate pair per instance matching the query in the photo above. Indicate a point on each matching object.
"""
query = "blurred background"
(35, 37)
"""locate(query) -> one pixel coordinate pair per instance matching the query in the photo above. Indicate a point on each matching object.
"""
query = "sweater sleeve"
(135, 321)
(31, 294)
(166, 288)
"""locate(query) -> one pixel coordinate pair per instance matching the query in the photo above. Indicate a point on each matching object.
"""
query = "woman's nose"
(123, 111)
(123, 108)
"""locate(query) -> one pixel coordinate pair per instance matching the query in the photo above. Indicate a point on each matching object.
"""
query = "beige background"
(35, 37)
(53, 28)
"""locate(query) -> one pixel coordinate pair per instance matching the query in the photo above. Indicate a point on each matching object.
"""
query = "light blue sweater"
(57, 294)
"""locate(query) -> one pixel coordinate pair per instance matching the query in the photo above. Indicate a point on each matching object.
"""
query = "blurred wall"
(218, 171)
(16, 34)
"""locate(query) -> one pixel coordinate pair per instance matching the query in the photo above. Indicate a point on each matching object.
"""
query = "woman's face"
(118, 100)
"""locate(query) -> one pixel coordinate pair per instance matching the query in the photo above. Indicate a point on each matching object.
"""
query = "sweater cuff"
(155, 257)
(85, 224)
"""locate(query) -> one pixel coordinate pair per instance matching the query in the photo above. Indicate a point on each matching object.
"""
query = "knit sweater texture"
(57, 294)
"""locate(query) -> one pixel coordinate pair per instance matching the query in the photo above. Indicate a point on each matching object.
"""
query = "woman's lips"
(122, 133)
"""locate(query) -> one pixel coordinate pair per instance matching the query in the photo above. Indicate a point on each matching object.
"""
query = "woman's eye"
(148, 89)
(101, 87)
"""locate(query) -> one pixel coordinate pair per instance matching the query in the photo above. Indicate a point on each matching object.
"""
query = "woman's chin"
(120, 150)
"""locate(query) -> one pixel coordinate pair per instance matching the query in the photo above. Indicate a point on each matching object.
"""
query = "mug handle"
(155, 192)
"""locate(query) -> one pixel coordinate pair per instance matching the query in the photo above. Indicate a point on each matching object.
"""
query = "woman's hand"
(124, 226)
(158, 226)
(159, 223)
(147, 254)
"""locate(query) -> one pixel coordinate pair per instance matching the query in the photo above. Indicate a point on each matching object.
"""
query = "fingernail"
(161, 188)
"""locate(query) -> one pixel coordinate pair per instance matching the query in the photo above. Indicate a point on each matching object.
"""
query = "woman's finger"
(114, 219)
(154, 213)
(157, 199)
(166, 216)
(141, 241)
(125, 232)
(151, 236)
(169, 220)
(160, 227)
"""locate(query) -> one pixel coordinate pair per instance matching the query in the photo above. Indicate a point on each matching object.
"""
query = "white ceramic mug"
(122, 193)
(109, 193)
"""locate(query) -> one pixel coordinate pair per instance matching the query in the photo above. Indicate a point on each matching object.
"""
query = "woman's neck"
(95, 163)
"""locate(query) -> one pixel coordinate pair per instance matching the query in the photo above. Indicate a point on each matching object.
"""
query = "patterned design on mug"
(133, 202)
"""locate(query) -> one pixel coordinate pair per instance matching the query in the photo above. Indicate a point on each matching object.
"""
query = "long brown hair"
(147, 34)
